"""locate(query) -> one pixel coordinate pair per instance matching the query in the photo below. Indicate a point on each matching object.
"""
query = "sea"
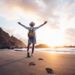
(51, 50)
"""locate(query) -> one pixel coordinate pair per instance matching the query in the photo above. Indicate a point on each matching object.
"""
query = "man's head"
(32, 24)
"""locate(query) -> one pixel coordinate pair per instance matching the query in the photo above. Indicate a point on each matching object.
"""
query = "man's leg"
(33, 45)
(28, 50)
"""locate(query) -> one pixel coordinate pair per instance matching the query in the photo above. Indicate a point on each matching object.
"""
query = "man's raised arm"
(41, 25)
(23, 25)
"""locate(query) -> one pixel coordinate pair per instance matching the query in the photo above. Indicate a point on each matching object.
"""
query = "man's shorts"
(32, 40)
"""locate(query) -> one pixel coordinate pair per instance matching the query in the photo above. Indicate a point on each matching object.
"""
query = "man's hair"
(32, 24)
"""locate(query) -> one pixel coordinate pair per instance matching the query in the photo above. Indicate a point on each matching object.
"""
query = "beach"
(14, 62)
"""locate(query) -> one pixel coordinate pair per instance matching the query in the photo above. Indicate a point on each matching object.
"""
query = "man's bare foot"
(28, 55)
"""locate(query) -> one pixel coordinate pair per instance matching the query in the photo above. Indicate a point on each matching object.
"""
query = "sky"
(60, 14)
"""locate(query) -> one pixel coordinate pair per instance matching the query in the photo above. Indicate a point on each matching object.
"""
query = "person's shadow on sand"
(13, 61)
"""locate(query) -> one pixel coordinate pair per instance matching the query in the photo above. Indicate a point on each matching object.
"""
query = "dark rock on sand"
(41, 46)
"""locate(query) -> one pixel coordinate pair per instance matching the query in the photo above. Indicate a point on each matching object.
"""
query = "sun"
(57, 38)
(52, 37)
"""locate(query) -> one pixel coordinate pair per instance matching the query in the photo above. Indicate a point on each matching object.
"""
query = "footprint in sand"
(32, 64)
(40, 59)
(49, 70)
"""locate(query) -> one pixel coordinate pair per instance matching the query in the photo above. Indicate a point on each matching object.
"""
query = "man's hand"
(19, 23)
(45, 22)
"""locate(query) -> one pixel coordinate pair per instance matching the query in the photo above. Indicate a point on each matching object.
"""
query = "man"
(31, 35)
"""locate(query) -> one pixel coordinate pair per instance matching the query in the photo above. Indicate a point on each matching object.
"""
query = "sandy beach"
(16, 63)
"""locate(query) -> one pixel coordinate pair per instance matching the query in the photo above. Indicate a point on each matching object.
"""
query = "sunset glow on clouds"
(60, 14)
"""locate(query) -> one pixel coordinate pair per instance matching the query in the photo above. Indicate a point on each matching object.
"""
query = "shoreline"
(46, 50)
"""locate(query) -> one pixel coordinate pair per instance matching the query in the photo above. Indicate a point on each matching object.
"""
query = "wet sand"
(16, 63)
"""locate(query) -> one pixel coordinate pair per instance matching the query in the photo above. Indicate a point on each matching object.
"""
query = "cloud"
(52, 10)
(42, 7)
